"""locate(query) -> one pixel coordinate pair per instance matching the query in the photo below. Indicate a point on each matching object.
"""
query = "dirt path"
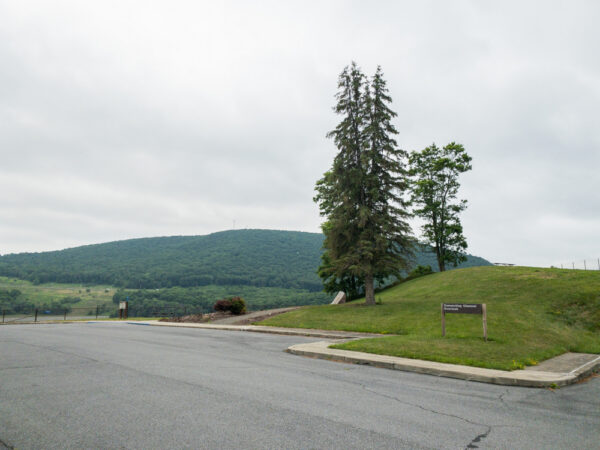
(256, 316)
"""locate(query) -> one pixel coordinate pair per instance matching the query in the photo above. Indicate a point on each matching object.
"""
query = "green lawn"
(533, 314)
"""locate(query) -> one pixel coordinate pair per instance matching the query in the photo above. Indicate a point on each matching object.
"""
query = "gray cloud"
(128, 119)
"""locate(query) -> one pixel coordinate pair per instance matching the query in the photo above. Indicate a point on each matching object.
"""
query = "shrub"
(238, 305)
(222, 305)
(235, 305)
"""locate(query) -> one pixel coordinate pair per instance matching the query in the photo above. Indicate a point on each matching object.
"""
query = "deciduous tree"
(435, 185)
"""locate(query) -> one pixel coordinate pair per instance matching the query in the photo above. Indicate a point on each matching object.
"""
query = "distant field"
(533, 314)
(146, 302)
(46, 293)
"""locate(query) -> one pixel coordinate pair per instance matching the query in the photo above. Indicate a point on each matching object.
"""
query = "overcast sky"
(123, 119)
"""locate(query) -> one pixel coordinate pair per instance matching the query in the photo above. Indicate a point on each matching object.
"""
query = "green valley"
(268, 268)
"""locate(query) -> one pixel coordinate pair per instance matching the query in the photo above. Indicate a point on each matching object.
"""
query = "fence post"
(598, 263)
(35, 320)
(573, 266)
(65, 317)
(96, 312)
(584, 266)
(3, 314)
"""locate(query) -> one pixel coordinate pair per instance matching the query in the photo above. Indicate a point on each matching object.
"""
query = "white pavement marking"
(586, 364)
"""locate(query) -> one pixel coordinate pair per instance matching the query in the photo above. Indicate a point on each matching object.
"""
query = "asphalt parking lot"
(115, 385)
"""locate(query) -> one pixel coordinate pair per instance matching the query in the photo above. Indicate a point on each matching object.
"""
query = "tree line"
(261, 258)
(373, 188)
(245, 258)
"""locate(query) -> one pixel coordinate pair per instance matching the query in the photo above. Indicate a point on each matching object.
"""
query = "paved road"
(104, 385)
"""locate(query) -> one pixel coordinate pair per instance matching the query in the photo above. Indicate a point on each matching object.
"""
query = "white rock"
(339, 298)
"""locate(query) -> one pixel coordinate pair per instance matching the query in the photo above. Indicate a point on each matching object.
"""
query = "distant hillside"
(262, 258)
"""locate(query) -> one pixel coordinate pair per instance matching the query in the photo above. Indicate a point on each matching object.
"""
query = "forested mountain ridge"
(268, 258)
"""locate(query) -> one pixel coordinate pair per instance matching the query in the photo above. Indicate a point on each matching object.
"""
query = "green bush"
(238, 305)
(235, 305)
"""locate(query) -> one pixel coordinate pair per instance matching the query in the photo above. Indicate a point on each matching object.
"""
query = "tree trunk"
(442, 265)
(369, 290)
(440, 259)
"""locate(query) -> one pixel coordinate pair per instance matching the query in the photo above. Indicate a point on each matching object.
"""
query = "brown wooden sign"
(465, 308)
(462, 308)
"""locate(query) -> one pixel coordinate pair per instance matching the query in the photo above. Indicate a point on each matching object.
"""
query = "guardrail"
(99, 311)
(38, 314)
(582, 264)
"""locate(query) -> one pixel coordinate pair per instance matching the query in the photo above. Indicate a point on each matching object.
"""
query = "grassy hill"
(23, 297)
(263, 258)
(533, 314)
(41, 294)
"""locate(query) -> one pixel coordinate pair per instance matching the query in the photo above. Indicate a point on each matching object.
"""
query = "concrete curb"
(524, 378)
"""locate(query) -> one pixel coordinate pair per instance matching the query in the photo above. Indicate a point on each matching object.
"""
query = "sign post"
(123, 309)
(465, 308)
(484, 320)
(443, 321)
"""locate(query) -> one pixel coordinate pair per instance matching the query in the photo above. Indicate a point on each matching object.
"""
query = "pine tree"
(366, 233)
(352, 285)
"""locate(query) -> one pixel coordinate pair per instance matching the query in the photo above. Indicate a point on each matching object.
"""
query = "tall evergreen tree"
(435, 186)
(352, 285)
(366, 233)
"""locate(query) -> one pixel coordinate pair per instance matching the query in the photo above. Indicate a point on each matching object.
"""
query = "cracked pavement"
(103, 385)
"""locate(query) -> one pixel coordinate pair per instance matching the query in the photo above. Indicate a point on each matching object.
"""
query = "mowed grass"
(48, 292)
(533, 314)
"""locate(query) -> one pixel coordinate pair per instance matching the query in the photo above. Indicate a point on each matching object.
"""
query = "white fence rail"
(582, 264)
